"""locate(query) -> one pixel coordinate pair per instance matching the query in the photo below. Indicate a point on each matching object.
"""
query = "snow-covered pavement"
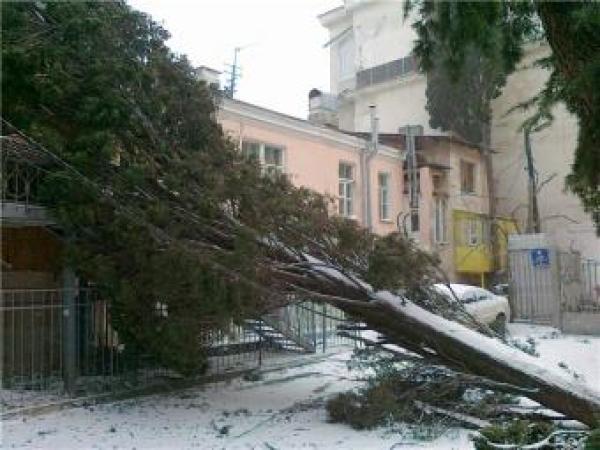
(283, 410)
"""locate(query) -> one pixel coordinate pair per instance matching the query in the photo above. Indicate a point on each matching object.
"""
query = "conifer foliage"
(156, 206)
(452, 33)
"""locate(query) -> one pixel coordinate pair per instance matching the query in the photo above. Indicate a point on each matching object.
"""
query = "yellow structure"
(472, 244)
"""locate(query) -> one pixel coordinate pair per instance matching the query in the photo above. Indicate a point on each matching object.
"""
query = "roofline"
(258, 113)
(332, 15)
(440, 137)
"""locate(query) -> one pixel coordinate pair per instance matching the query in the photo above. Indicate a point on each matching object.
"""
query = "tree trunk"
(399, 326)
(431, 336)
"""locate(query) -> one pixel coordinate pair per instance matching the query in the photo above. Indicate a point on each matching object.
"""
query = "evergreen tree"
(157, 207)
(449, 32)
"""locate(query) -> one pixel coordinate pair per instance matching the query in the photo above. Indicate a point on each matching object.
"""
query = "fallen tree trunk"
(431, 336)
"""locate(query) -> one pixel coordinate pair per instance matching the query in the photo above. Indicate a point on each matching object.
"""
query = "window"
(414, 221)
(273, 159)
(251, 150)
(384, 196)
(346, 58)
(467, 177)
(268, 156)
(440, 222)
(472, 232)
(346, 190)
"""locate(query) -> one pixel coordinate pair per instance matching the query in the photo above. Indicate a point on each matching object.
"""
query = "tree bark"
(573, 401)
(460, 348)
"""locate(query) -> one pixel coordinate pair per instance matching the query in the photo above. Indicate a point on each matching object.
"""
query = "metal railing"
(54, 346)
(384, 72)
(20, 182)
(587, 294)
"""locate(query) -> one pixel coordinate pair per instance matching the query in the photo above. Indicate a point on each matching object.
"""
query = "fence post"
(260, 341)
(69, 329)
(557, 315)
(325, 334)
(314, 326)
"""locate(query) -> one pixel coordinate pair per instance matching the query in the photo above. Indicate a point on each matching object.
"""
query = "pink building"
(370, 182)
(366, 179)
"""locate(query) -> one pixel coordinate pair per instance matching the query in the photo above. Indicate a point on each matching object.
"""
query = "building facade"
(366, 184)
(561, 215)
(371, 64)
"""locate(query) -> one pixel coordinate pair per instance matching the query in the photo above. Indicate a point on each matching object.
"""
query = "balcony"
(385, 72)
(22, 170)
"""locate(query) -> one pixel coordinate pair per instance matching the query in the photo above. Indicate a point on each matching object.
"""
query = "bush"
(593, 440)
(516, 432)
(372, 407)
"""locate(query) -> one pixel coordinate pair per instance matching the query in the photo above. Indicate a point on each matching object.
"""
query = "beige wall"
(562, 216)
(399, 102)
(450, 154)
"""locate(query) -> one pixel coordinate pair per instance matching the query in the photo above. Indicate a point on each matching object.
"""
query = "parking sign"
(540, 257)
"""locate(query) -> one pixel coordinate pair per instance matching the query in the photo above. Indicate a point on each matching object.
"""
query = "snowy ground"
(283, 410)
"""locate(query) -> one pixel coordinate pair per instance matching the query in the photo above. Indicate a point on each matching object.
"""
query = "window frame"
(346, 58)
(464, 163)
(385, 201)
(261, 156)
(440, 222)
(346, 190)
(472, 229)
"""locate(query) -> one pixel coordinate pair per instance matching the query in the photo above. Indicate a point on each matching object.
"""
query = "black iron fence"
(59, 341)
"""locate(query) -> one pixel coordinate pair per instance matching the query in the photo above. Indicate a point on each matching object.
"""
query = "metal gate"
(534, 286)
(553, 287)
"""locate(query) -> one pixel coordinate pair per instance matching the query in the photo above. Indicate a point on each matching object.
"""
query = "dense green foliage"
(397, 390)
(516, 432)
(158, 209)
(451, 33)
(96, 85)
(593, 440)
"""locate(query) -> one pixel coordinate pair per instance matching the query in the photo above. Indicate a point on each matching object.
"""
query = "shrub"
(593, 440)
(515, 432)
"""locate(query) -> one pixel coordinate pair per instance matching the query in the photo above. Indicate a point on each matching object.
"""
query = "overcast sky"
(283, 55)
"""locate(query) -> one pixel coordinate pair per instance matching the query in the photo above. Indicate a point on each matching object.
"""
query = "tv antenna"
(234, 71)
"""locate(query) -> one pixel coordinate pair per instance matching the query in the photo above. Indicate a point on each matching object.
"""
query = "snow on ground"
(575, 355)
(283, 410)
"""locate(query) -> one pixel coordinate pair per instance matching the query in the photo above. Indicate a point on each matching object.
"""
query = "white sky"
(284, 57)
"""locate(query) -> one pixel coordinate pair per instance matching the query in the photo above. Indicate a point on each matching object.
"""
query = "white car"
(482, 304)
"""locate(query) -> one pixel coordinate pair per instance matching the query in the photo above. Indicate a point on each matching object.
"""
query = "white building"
(370, 64)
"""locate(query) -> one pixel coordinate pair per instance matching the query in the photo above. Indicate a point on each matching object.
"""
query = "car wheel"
(499, 324)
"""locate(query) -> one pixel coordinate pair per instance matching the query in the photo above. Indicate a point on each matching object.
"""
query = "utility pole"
(533, 214)
(410, 131)
(491, 188)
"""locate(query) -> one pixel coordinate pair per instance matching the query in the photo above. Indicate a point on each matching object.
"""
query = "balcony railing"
(385, 72)
(20, 182)
(23, 167)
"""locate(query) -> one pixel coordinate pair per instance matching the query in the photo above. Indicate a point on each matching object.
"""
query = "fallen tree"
(433, 337)
(159, 207)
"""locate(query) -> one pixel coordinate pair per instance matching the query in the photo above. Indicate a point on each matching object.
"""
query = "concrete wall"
(381, 34)
(562, 217)
(581, 323)
(399, 102)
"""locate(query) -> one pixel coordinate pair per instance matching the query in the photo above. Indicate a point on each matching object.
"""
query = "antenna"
(234, 73)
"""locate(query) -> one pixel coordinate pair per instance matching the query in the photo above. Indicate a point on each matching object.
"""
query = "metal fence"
(534, 290)
(548, 286)
(54, 346)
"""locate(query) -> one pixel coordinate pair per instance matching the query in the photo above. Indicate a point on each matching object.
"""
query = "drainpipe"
(369, 152)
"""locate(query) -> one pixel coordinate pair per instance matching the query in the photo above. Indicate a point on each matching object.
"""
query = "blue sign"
(540, 257)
